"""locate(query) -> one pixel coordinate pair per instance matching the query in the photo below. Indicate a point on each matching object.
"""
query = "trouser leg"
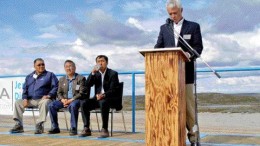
(190, 112)
(85, 113)
(18, 110)
(43, 109)
(86, 106)
(74, 112)
(53, 109)
(104, 107)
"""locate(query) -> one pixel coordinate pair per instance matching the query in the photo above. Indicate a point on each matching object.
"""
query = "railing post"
(133, 102)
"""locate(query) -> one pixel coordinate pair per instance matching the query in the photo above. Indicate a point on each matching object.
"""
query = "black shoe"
(39, 128)
(73, 131)
(104, 133)
(54, 131)
(17, 129)
(85, 132)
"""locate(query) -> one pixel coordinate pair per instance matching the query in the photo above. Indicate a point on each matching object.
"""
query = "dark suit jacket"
(80, 93)
(166, 40)
(110, 84)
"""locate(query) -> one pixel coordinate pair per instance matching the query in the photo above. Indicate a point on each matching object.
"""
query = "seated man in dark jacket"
(39, 88)
(72, 88)
(106, 83)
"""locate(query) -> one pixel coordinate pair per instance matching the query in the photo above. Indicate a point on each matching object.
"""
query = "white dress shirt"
(102, 81)
(177, 28)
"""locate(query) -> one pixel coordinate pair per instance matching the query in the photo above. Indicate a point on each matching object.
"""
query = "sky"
(56, 30)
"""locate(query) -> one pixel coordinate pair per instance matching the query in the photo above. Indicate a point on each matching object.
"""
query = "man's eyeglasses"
(42, 64)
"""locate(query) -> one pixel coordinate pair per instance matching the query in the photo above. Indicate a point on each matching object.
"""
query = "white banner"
(10, 91)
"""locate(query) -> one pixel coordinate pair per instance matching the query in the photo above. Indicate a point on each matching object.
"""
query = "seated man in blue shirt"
(39, 88)
(72, 88)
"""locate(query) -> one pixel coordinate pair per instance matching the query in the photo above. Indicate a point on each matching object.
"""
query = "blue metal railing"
(257, 68)
(230, 69)
(133, 73)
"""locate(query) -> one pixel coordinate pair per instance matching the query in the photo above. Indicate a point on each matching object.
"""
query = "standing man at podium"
(168, 38)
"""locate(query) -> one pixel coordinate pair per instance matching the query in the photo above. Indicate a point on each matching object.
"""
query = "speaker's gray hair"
(174, 3)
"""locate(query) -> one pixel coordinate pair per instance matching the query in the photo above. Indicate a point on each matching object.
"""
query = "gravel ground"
(226, 123)
(230, 123)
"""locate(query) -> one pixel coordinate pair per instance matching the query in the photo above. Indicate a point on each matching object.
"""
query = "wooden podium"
(165, 103)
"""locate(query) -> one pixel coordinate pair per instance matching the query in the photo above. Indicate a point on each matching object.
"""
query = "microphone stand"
(196, 105)
(176, 34)
(196, 126)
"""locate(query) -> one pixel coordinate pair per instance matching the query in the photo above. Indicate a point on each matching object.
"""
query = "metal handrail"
(257, 68)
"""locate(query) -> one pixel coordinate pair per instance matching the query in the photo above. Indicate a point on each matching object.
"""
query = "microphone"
(168, 21)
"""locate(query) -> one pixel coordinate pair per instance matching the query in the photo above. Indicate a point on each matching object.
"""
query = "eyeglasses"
(42, 64)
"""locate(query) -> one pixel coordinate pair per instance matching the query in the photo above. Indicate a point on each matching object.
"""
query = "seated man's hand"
(100, 96)
(25, 103)
(64, 101)
(69, 101)
(46, 97)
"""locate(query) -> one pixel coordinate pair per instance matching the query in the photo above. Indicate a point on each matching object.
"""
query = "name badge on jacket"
(77, 87)
(187, 36)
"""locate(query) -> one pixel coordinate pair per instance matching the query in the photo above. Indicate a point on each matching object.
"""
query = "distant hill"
(247, 94)
(213, 102)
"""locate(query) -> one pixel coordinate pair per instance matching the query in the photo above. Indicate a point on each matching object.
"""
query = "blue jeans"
(73, 109)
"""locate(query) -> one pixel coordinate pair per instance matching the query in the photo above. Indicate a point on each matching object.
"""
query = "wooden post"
(165, 104)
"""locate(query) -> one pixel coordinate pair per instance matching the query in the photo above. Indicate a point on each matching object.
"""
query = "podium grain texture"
(165, 103)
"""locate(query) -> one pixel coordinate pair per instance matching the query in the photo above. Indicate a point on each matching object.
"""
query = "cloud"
(52, 28)
(134, 5)
(144, 9)
(237, 49)
(12, 41)
(104, 29)
(47, 36)
(118, 56)
(252, 2)
(44, 19)
(134, 22)
(247, 84)
(227, 16)
(249, 81)
(48, 27)
(199, 4)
